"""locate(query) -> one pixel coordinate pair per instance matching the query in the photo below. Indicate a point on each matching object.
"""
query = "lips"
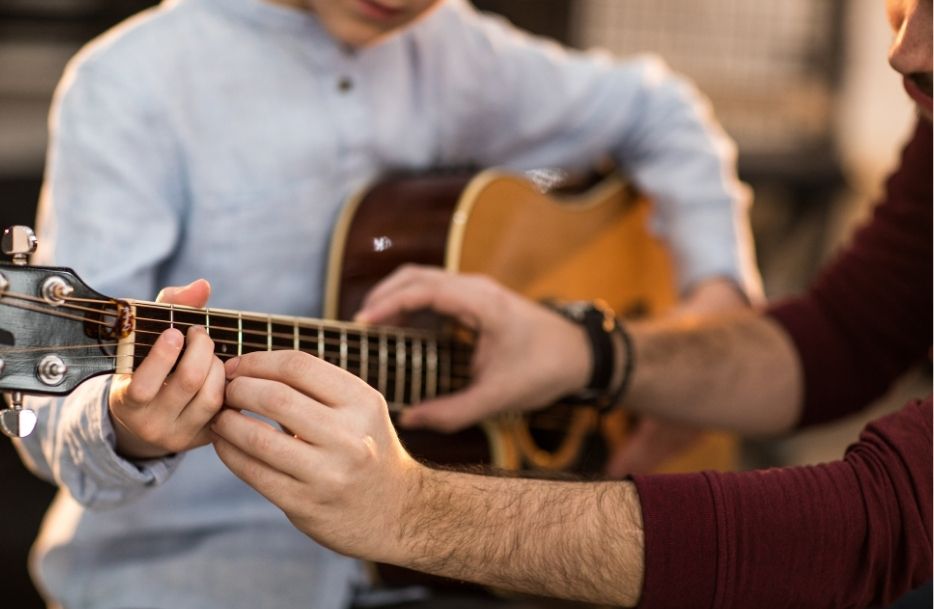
(922, 96)
(378, 10)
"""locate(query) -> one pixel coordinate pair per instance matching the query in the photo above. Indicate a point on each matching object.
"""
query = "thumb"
(195, 294)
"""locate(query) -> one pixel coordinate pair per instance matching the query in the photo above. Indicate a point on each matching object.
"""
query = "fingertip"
(203, 282)
(174, 338)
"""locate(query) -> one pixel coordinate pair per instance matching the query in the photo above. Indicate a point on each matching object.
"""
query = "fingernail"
(230, 366)
(361, 317)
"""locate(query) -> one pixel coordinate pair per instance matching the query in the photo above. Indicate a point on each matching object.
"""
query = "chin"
(359, 36)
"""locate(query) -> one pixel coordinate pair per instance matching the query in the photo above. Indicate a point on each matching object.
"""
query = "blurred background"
(803, 87)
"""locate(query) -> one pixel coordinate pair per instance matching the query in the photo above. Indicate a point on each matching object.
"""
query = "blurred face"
(911, 50)
(359, 23)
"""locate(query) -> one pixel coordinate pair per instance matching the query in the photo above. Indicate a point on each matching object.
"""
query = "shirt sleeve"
(867, 317)
(110, 209)
(538, 105)
(852, 533)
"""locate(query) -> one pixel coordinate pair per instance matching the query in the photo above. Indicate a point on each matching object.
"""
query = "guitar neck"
(406, 365)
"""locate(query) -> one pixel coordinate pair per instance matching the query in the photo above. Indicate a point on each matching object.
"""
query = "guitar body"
(589, 245)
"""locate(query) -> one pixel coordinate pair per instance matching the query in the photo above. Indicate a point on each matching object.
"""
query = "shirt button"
(344, 84)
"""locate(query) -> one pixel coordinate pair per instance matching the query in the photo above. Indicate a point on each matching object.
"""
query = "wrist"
(127, 443)
(607, 355)
(404, 544)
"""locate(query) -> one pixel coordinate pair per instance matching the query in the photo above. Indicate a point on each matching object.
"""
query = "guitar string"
(256, 317)
(456, 348)
(352, 355)
(389, 332)
(58, 313)
(457, 371)
(351, 341)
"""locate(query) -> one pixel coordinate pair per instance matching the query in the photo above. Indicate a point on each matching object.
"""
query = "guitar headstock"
(55, 331)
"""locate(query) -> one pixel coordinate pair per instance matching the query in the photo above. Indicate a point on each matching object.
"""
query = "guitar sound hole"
(6, 338)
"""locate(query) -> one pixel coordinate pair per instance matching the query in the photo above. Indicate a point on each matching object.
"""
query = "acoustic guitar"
(56, 332)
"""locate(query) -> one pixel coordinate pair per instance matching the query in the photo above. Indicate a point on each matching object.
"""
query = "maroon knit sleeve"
(867, 317)
(852, 533)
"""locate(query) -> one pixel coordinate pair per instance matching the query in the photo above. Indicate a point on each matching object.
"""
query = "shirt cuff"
(91, 442)
(709, 241)
(680, 527)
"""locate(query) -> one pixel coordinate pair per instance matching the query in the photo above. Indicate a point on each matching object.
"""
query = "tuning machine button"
(51, 370)
(16, 421)
(19, 242)
(56, 289)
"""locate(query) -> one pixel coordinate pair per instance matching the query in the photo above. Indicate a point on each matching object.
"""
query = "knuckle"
(188, 379)
(297, 365)
(258, 440)
(279, 400)
(136, 395)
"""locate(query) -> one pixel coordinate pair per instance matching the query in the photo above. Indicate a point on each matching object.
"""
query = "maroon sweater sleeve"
(868, 315)
(852, 533)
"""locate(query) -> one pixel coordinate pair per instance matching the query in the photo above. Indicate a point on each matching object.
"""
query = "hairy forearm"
(738, 371)
(571, 540)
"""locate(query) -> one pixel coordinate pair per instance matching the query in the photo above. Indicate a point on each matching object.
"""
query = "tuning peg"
(19, 242)
(17, 422)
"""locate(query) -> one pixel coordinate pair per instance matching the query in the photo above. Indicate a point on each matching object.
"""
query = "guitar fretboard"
(406, 365)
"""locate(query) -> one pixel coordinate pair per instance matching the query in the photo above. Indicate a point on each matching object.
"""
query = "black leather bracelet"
(629, 365)
(599, 323)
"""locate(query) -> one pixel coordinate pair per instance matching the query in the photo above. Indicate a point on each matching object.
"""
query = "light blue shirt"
(211, 138)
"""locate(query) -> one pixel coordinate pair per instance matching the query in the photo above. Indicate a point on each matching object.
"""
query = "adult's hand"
(339, 473)
(157, 412)
(526, 356)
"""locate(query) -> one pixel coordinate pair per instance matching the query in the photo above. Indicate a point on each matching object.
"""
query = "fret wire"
(457, 350)
(365, 356)
(143, 349)
(295, 335)
(343, 349)
(391, 370)
(416, 371)
(232, 315)
(207, 321)
(321, 342)
(446, 371)
(431, 382)
(239, 334)
(400, 369)
(383, 364)
(408, 332)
